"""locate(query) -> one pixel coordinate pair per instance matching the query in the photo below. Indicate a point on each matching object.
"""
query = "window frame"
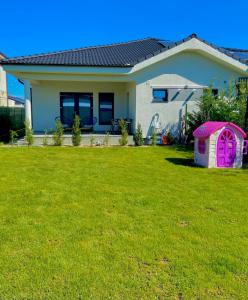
(99, 107)
(163, 100)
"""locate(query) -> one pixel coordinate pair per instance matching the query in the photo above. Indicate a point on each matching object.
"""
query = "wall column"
(27, 96)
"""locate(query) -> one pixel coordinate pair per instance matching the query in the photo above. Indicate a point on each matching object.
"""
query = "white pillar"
(27, 95)
(3, 87)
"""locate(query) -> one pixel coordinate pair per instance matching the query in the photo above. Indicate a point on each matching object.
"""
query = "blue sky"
(48, 25)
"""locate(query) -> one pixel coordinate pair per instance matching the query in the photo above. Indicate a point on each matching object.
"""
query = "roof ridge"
(78, 49)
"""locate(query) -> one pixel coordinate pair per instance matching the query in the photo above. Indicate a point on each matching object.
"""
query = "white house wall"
(186, 68)
(131, 95)
(46, 100)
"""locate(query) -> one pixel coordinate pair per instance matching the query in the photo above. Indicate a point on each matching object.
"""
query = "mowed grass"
(120, 223)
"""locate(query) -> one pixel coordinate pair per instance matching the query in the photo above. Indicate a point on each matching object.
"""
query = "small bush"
(29, 138)
(45, 139)
(13, 136)
(124, 134)
(76, 132)
(138, 136)
(58, 136)
(154, 138)
(92, 140)
(106, 140)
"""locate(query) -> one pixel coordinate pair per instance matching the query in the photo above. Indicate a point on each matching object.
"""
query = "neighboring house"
(15, 101)
(3, 84)
(149, 81)
(5, 99)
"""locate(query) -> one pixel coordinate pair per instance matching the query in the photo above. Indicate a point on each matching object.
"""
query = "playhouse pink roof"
(208, 128)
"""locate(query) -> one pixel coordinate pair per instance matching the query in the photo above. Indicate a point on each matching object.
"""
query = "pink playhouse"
(219, 145)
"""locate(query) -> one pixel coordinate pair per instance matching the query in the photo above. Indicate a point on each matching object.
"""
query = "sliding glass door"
(85, 107)
(80, 104)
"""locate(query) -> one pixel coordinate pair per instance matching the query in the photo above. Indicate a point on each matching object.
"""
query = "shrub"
(229, 106)
(58, 134)
(76, 132)
(154, 138)
(45, 139)
(29, 138)
(138, 136)
(13, 136)
(92, 140)
(106, 139)
(124, 134)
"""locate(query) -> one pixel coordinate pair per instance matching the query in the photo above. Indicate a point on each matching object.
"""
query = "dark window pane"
(106, 108)
(160, 95)
(85, 109)
(68, 109)
(215, 92)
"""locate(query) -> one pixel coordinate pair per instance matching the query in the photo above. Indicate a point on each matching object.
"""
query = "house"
(219, 145)
(148, 81)
(14, 101)
(3, 84)
(5, 99)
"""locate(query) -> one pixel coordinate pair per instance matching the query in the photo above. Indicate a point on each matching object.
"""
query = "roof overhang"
(67, 73)
(18, 68)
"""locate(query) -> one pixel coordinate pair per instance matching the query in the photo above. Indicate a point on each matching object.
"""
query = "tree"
(229, 106)
(243, 93)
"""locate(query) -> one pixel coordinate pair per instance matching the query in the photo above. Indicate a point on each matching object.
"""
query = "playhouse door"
(226, 149)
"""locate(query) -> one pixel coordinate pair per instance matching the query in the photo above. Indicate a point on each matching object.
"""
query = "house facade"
(150, 81)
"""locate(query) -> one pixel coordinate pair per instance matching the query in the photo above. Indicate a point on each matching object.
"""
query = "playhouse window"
(201, 146)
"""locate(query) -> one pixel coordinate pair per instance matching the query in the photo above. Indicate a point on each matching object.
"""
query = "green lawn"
(120, 223)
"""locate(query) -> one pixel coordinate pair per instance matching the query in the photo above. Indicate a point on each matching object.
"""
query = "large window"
(80, 104)
(106, 108)
(160, 95)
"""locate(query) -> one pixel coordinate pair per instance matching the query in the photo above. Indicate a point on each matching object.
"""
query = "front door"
(226, 149)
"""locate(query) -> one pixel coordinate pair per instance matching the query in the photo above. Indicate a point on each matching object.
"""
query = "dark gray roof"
(239, 54)
(116, 55)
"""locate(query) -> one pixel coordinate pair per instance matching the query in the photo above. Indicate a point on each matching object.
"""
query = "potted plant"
(166, 138)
